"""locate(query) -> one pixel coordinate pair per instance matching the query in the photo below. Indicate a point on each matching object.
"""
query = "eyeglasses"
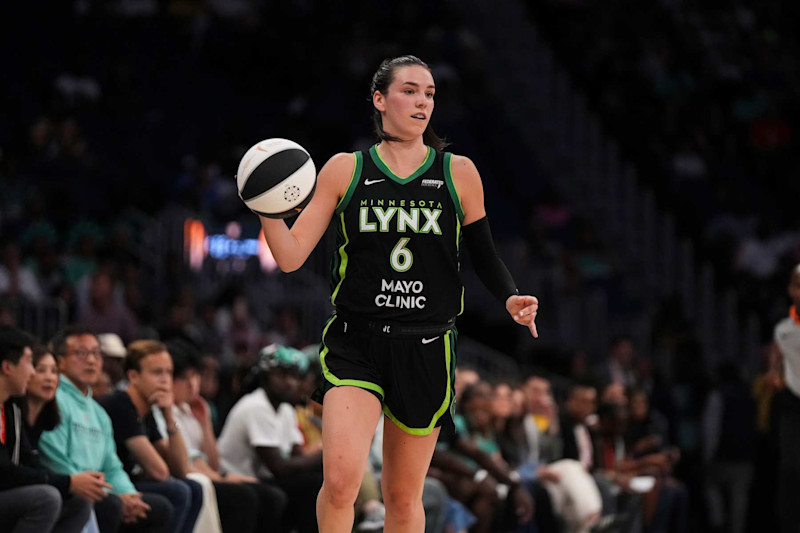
(83, 355)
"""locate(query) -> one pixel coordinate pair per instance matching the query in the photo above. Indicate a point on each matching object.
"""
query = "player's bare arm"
(291, 247)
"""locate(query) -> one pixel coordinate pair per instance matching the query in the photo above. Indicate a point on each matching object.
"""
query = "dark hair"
(581, 384)
(13, 342)
(49, 416)
(138, 350)
(381, 80)
(619, 339)
(59, 342)
(185, 355)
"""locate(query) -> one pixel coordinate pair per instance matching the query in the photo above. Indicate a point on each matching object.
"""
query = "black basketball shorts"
(411, 370)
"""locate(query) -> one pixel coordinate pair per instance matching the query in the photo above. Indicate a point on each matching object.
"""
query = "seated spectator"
(648, 430)
(113, 360)
(84, 440)
(145, 455)
(665, 506)
(236, 495)
(261, 439)
(470, 466)
(562, 484)
(32, 498)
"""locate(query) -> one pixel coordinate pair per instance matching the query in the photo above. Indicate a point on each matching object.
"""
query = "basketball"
(276, 178)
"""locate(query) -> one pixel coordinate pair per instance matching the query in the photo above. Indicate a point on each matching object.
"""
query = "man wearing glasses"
(84, 441)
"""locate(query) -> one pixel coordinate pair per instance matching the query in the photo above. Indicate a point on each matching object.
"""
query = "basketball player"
(401, 210)
(786, 353)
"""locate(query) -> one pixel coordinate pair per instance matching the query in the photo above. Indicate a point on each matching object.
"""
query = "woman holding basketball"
(401, 210)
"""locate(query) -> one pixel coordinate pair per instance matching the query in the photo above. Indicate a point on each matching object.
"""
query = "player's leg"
(406, 459)
(349, 418)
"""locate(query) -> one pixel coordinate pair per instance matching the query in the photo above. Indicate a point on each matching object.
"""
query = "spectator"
(30, 496)
(16, 280)
(236, 495)
(114, 359)
(729, 440)
(579, 409)
(786, 369)
(261, 438)
(103, 313)
(620, 364)
(562, 487)
(648, 430)
(146, 456)
(84, 440)
(470, 466)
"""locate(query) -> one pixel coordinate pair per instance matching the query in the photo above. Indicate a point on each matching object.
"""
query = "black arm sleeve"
(488, 265)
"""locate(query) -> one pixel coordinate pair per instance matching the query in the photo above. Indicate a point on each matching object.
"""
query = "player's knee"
(402, 504)
(340, 489)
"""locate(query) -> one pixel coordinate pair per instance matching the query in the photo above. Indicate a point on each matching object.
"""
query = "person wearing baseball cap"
(261, 438)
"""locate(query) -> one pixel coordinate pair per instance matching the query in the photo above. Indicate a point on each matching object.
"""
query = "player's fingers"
(534, 331)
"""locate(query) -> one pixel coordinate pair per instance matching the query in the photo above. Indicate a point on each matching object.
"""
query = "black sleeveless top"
(398, 241)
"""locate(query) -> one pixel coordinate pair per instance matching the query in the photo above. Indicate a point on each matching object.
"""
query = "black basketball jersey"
(398, 241)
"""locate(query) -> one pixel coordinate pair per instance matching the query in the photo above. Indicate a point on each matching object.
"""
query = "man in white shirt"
(261, 438)
(786, 353)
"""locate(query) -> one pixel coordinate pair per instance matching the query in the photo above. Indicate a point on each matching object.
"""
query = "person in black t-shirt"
(145, 455)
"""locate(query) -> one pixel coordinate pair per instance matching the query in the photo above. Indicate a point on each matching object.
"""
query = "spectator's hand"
(89, 486)
(200, 410)
(163, 399)
(623, 481)
(523, 504)
(646, 444)
(236, 478)
(774, 380)
(548, 474)
(523, 310)
(133, 507)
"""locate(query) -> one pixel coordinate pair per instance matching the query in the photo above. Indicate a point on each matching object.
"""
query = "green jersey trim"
(458, 252)
(448, 341)
(340, 382)
(342, 259)
(448, 179)
(383, 167)
(355, 177)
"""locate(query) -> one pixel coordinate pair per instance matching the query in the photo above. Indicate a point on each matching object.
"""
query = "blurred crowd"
(702, 97)
(140, 438)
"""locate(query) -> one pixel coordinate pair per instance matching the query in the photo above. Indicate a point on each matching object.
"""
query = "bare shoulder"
(467, 182)
(465, 173)
(341, 163)
(335, 174)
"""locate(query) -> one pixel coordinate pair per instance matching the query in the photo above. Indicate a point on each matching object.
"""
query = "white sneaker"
(373, 519)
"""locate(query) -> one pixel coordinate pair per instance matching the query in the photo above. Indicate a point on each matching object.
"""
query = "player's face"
(408, 103)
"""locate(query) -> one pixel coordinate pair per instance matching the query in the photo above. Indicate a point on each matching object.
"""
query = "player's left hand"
(523, 310)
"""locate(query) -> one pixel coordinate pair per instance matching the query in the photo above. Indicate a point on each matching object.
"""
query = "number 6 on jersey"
(401, 258)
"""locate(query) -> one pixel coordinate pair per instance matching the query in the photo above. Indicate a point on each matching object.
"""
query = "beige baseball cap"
(111, 345)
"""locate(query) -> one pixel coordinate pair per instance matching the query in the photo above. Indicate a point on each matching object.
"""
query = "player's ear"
(378, 101)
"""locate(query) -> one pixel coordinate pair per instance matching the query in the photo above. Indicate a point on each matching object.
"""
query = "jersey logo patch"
(373, 182)
(432, 183)
(428, 341)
